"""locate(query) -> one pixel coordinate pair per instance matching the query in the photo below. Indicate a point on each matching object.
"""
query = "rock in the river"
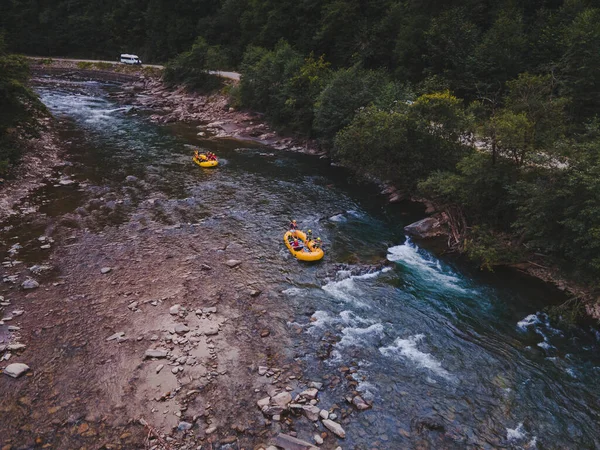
(30, 283)
(174, 310)
(255, 293)
(159, 368)
(334, 427)
(324, 414)
(360, 403)
(427, 228)
(315, 384)
(105, 270)
(318, 439)
(263, 402)
(262, 370)
(209, 310)
(288, 442)
(153, 353)
(311, 412)
(281, 399)
(15, 370)
(233, 263)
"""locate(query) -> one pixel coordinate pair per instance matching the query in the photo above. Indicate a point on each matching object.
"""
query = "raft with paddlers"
(301, 247)
(205, 160)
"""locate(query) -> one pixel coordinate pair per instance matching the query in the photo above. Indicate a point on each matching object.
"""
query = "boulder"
(427, 228)
(335, 428)
(15, 370)
(288, 442)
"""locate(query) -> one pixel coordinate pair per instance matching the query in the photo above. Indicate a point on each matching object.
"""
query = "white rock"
(159, 367)
(181, 328)
(263, 402)
(318, 439)
(324, 414)
(334, 427)
(262, 370)
(152, 353)
(118, 335)
(15, 370)
(174, 310)
(105, 270)
(309, 393)
(232, 263)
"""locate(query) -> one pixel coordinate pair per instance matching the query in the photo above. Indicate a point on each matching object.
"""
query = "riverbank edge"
(217, 118)
(41, 155)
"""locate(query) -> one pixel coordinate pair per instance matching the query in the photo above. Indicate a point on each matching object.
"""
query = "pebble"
(210, 430)
(18, 313)
(265, 333)
(315, 384)
(181, 328)
(309, 393)
(159, 367)
(318, 439)
(15, 370)
(311, 412)
(262, 370)
(210, 310)
(360, 403)
(324, 414)
(105, 270)
(232, 263)
(174, 310)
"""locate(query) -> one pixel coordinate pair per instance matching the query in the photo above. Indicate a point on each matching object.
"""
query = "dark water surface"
(450, 357)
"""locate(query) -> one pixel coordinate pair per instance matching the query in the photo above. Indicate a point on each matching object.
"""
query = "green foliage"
(404, 146)
(348, 90)
(488, 248)
(16, 105)
(479, 186)
(192, 67)
(85, 65)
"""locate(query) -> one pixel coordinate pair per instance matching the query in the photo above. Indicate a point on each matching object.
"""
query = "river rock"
(311, 412)
(153, 353)
(263, 402)
(16, 347)
(315, 384)
(15, 370)
(232, 263)
(262, 370)
(30, 283)
(335, 428)
(184, 426)
(426, 228)
(288, 442)
(174, 310)
(282, 399)
(209, 310)
(309, 393)
(181, 328)
(324, 414)
(318, 439)
(105, 270)
(115, 336)
(360, 403)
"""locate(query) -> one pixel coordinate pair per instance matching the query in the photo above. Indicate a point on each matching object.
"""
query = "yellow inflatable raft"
(205, 163)
(309, 252)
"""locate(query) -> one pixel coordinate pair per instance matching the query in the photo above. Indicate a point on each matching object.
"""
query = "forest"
(489, 108)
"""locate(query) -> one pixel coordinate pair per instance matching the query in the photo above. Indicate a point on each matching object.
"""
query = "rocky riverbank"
(40, 155)
(213, 114)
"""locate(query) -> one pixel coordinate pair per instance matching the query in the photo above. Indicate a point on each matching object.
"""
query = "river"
(450, 357)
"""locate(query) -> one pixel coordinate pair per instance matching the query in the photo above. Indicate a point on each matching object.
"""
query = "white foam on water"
(407, 349)
(366, 389)
(338, 218)
(516, 434)
(545, 345)
(346, 289)
(530, 320)
(571, 372)
(408, 254)
(294, 291)
(356, 336)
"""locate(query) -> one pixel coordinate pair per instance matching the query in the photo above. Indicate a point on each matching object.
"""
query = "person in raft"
(297, 245)
(309, 236)
(293, 225)
(317, 243)
(211, 156)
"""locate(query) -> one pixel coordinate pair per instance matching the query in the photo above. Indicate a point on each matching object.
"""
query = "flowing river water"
(450, 357)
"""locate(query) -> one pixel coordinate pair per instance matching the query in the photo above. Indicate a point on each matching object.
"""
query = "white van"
(130, 59)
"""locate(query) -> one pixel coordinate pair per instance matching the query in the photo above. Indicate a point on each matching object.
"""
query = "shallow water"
(451, 358)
